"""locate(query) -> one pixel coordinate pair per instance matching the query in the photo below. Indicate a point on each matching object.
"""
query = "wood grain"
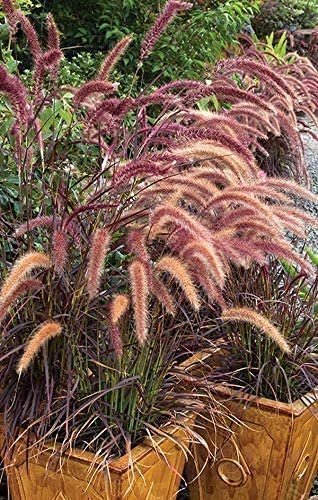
(152, 471)
(271, 455)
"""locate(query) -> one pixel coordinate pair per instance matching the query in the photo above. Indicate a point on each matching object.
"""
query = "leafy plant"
(276, 15)
(79, 68)
(277, 48)
(198, 38)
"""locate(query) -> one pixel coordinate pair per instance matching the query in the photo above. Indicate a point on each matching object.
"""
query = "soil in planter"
(314, 490)
(3, 484)
(183, 492)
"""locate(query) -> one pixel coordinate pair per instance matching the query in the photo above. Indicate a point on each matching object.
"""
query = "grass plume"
(249, 316)
(25, 286)
(118, 307)
(99, 246)
(180, 273)
(43, 334)
(113, 57)
(115, 337)
(23, 267)
(60, 247)
(139, 284)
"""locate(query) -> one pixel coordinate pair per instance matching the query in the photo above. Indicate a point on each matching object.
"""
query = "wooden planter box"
(152, 471)
(272, 453)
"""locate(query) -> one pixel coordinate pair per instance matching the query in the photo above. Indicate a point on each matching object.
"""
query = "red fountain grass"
(174, 198)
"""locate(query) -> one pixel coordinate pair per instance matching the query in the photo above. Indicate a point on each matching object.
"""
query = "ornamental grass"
(132, 212)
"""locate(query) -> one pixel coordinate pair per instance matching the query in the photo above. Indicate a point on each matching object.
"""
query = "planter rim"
(295, 408)
(120, 464)
(138, 452)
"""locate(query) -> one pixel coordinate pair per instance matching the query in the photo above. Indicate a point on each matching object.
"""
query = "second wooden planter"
(271, 452)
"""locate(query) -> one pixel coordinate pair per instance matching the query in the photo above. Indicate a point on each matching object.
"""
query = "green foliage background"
(194, 38)
(275, 15)
(25, 5)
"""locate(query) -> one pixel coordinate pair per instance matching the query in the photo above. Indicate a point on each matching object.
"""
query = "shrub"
(276, 15)
(181, 52)
(79, 68)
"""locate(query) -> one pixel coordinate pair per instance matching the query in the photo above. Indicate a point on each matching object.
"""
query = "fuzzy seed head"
(179, 218)
(113, 57)
(140, 290)
(249, 316)
(208, 252)
(23, 287)
(31, 35)
(99, 247)
(23, 267)
(178, 270)
(60, 247)
(162, 294)
(41, 221)
(93, 87)
(118, 307)
(53, 33)
(115, 337)
(43, 334)
(171, 9)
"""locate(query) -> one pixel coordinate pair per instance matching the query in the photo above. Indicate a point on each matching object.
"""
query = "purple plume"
(92, 87)
(171, 9)
(11, 14)
(14, 89)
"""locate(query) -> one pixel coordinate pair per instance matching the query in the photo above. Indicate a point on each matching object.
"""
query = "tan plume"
(249, 316)
(118, 307)
(45, 332)
(212, 152)
(160, 291)
(99, 247)
(23, 266)
(23, 287)
(140, 290)
(177, 269)
(206, 250)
